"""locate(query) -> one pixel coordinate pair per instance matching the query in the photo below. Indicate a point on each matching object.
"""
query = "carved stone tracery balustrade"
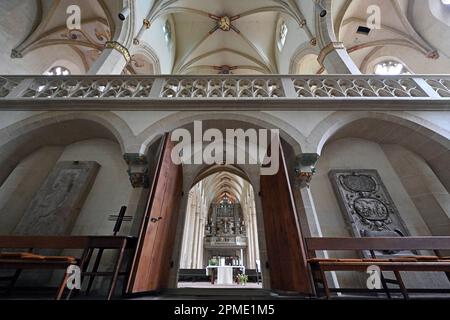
(143, 92)
(358, 87)
(7, 84)
(79, 87)
(223, 88)
(441, 86)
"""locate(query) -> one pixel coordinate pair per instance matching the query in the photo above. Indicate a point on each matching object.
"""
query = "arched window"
(390, 68)
(58, 71)
(282, 34)
(167, 30)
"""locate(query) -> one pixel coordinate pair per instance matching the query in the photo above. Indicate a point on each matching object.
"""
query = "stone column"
(187, 235)
(184, 263)
(250, 251)
(305, 169)
(261, 243)
(336, 60)
(195, 235)
(138, 173)
(333, 55)
(136, 207)
(198, 235)
(194, 228)
(201, 235)
(190, 233)
(255, 235)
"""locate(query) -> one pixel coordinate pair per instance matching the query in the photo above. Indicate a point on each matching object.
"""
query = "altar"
(224, 274)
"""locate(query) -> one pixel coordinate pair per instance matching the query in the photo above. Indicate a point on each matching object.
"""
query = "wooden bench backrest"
(379, 243)
(62, 242)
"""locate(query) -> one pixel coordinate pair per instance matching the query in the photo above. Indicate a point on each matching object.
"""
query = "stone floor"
(206, 291)
(214, 294)
(208, 285)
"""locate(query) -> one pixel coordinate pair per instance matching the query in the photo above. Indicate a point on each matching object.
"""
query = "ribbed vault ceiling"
(221, 36)
(237, 36)
(220, 181)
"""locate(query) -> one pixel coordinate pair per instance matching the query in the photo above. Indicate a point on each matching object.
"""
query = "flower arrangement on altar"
(242, 279)
(213, 262)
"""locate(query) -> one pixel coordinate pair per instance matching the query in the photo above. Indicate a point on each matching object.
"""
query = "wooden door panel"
(152, 262)
(285, 249)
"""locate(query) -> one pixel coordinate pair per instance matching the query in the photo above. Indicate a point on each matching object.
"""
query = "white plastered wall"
(424, 188)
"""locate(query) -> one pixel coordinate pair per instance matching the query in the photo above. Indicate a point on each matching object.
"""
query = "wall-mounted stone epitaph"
(56, 205)
(366, 203)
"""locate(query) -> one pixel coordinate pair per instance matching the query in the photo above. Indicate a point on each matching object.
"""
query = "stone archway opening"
(220, 244)
(275, 213)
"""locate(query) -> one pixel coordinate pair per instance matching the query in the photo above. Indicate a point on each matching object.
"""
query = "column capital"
(305, 168)
(137, 169)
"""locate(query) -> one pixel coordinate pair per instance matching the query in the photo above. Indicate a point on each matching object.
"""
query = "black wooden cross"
(121, 217)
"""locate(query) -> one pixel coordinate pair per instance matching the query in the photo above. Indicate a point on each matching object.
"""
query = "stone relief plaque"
(56, 205)
(366, 203)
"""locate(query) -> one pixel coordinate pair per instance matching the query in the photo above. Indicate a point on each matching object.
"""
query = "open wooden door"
(285, 248)
(152, 261)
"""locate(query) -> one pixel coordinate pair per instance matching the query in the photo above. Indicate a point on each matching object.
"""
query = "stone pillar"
(201, 235)
(336, 60)
(189, 237)
(255, 247)
(137, 203)
(113, 59)
(198, 235)
(333, 55)
(261, 243)
(255, 235)
(250, 251)
(138, 173)
(195, 242)
(305, 169)
(191, 244)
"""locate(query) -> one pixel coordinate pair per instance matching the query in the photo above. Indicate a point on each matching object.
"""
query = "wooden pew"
(413, 263)
(88, 244)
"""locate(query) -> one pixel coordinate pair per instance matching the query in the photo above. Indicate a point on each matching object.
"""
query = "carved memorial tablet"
(56, 205)
(366, 204)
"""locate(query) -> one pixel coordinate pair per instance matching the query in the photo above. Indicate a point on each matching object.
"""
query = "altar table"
(224, 273)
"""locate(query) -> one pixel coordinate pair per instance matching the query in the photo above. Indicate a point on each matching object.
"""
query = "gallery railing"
(147, 92)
